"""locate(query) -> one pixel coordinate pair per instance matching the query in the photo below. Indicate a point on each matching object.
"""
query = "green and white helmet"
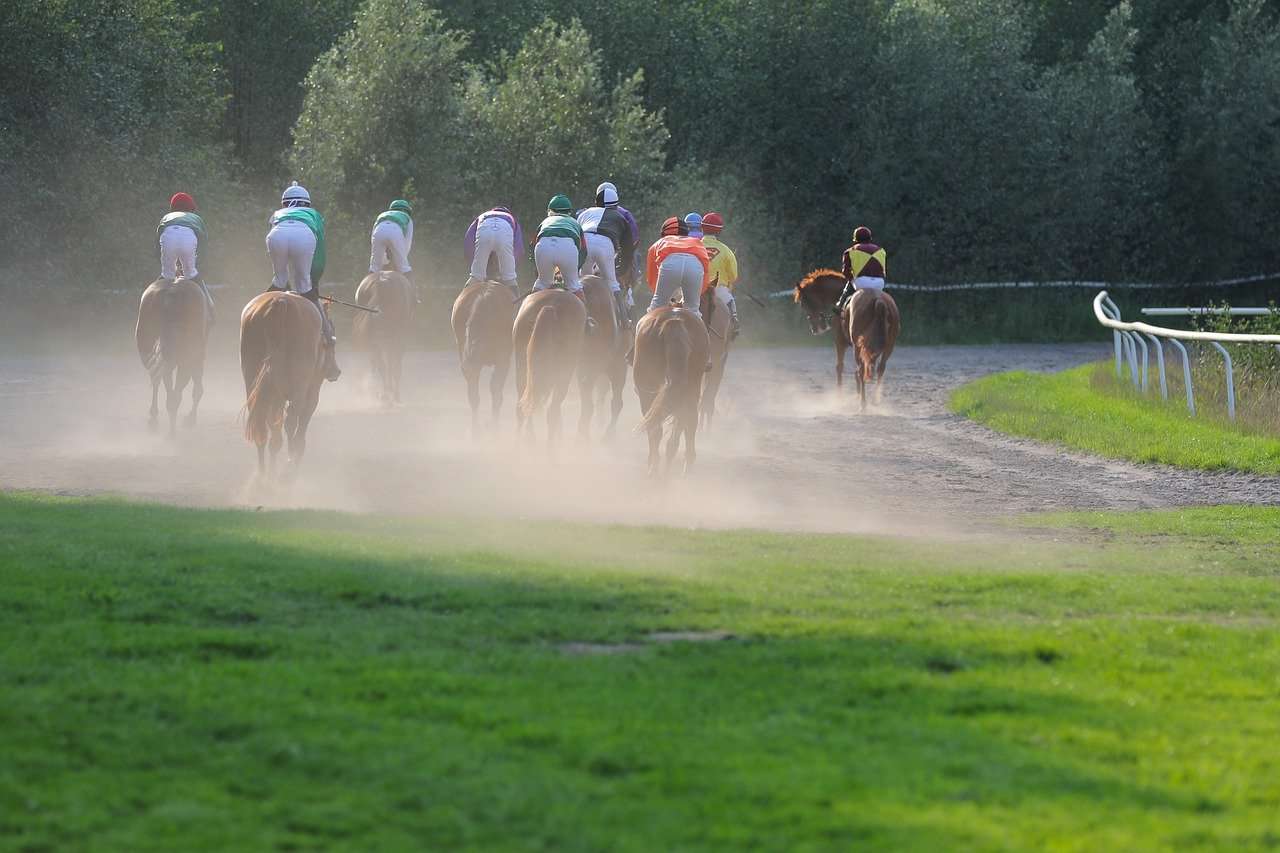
(401, 205)
(560, 204)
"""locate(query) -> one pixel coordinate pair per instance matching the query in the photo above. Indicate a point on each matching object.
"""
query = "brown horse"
(547, 339)
(604, 356)
(386, 334)
(483, 315)
(817, 293)
(171, 335)
(670, 359)
(718, 326)
(872, 322)
(283, 366)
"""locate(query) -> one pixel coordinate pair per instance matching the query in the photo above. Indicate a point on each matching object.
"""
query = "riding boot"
(735, 327)
(624, 316)
(329, 340)
(845, 295)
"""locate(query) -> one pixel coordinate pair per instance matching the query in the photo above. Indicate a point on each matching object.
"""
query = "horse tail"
(872, 344)
(480, 328)
(676, 348)
(147, 334)
(540, 361)
(266, 396)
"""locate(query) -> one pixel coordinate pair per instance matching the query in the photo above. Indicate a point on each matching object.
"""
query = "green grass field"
(180, 679)
(1085, 409)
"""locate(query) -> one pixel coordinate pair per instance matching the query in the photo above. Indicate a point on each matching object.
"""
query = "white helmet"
(295, 193)
(606, 193)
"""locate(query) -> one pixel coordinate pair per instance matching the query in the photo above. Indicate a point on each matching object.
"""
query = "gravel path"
(788, 452)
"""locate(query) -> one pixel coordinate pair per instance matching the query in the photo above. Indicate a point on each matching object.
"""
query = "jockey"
(677, 262)
(724, 265)
(864, 267)
(609, 241)
(296, 245)
(179, 239)
(561, 245)
(392, 239)
(494, 232)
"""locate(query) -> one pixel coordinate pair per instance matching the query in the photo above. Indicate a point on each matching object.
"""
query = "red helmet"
(672, 227)
(182, 201)
(862, 234)
(712, 223)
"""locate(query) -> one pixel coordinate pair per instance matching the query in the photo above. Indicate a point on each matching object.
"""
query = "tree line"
(981, 139)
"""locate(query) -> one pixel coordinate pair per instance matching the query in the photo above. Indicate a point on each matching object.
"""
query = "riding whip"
(336, 301)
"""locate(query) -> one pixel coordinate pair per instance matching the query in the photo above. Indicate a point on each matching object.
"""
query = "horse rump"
(484, 327)
(541, 354)
(676, 350)
(265, 396)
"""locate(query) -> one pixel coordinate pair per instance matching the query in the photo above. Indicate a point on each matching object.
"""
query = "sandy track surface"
(788, 452)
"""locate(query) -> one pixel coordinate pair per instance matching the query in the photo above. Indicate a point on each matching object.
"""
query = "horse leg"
(298, 435)
(497, 384)
(553, 411)
(840, 350)
(862, 386)
(617, 383)
(153, 418)
(690, 443)
(586, 405)
(197, 392)
(173, 385)
(472, 375)
(655, 445)
(262, 460)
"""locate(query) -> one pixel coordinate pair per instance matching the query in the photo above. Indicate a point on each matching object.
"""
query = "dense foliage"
(981, 138)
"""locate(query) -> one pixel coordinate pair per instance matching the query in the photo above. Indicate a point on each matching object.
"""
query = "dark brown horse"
(670, 360)
(604, 357)
(547, 339)
(283, 367)
(872, 322)
(483, 315)
(384, 335)
(171, 336)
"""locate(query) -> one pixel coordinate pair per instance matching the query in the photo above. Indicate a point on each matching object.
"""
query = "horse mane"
(813, 278)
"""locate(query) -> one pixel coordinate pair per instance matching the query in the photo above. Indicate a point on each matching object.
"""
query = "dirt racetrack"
(788, 452)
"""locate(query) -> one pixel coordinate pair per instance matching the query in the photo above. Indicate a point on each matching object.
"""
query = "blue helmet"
(693, 222)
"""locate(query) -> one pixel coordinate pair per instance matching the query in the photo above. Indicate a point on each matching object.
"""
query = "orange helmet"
(672, 227)
(712, 223)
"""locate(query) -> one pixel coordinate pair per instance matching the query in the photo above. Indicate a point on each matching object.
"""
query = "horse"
(670, 359)
(385, 334)
(872, 322)
(282, 360)
(817, 293)
(171, 335)
(547, 339)
(604, 353)
(483, 316)
(718, 325)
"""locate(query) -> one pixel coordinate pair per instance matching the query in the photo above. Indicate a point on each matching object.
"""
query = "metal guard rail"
(1128, 337)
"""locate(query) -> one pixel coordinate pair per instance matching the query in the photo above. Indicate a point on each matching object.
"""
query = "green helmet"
(401, 204)
(560, 204)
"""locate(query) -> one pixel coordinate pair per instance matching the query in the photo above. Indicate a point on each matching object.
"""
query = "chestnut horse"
(718, 326)
(384, 335)
(604, 357)
(483, 315)
(670, 360)
(547, 339)
(171, 335)
(283, 367)
(817, 294)
(872, 322)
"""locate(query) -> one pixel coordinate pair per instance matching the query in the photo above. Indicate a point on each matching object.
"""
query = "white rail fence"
(1131, 338)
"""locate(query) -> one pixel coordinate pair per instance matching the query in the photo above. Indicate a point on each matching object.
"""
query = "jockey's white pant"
(389, 241)
(292, 246)
(602, 255)
(867, 282)
(494, 236)
(178, 243)
(552, 253)
(679, 273)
